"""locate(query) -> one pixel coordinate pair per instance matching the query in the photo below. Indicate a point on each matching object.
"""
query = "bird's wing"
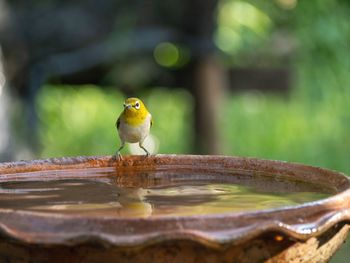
(117, 124)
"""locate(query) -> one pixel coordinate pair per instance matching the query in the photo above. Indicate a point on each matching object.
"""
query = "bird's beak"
(127, 106)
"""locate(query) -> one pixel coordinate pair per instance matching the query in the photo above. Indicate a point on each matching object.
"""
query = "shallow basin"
(171, 208)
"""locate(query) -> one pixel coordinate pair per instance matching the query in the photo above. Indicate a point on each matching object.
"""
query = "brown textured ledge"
(223, 231)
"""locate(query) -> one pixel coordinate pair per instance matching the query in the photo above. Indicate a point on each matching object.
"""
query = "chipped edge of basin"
(299, 222)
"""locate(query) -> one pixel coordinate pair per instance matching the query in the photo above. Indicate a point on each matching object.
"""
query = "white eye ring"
(137, 105)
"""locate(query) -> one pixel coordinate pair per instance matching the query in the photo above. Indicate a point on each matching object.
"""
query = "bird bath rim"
(299, 222)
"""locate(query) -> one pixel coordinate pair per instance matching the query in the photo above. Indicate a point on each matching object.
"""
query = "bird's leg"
(143, 148)
(117, 154)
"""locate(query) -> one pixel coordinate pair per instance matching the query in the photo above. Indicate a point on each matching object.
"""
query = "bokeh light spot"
(166, 54)
(227, 40)
(287, 4)
(236, 14)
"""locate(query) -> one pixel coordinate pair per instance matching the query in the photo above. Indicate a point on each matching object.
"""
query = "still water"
(144, 194)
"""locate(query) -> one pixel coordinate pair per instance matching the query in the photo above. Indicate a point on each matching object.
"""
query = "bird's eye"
(124, 105)
(137, 105)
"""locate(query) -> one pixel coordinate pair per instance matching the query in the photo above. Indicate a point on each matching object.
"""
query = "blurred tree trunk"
(6, 151)
(206, 78)
(208, 89)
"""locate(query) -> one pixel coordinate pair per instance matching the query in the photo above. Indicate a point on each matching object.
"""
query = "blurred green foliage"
(292, 130)
(81, 120)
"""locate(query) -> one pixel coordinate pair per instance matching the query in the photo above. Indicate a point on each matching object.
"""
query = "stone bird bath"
(306, 232)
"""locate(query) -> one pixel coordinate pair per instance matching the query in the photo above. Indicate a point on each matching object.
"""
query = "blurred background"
(268, 79)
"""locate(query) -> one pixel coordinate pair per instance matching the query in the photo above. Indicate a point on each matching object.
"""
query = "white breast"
(133, 134)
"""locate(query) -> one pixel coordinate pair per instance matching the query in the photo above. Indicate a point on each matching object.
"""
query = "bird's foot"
(118, 156)
(143, 148)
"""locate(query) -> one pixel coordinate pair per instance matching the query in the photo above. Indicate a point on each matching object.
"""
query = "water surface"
(103, 192)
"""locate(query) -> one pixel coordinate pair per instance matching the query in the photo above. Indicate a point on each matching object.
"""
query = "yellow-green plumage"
(134, 123)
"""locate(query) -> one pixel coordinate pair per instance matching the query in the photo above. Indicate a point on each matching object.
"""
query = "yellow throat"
(135, 112)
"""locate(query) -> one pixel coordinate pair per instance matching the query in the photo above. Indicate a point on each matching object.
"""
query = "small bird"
(133, 124)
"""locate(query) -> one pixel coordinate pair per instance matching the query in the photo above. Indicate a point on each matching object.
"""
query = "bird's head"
(134, 107)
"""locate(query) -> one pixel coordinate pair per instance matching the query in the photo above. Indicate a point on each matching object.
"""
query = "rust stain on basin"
(311, 231)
